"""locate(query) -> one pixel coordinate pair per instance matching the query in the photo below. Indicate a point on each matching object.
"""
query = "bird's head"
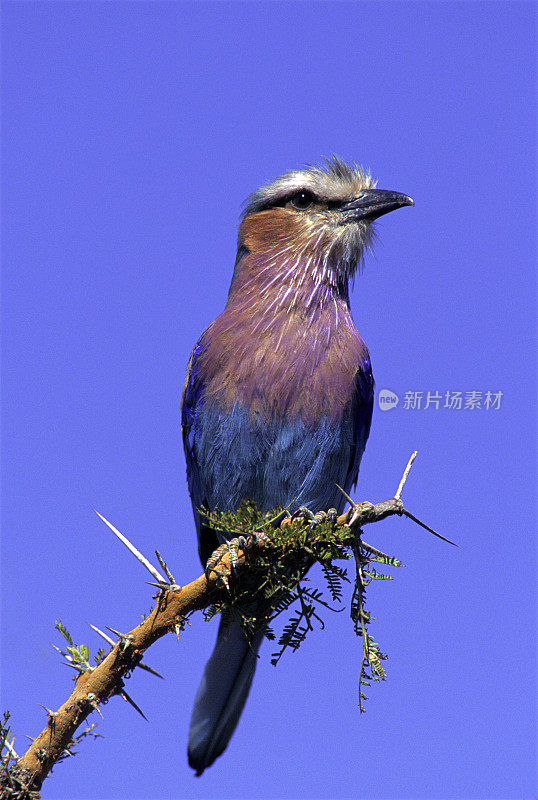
(315, 221)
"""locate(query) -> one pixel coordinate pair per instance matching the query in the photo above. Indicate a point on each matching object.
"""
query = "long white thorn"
(150, 568)
(404, 476)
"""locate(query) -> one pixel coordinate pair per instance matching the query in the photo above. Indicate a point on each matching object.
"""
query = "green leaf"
(63, 630)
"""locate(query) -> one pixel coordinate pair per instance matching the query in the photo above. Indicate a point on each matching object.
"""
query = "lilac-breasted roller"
(279, 391)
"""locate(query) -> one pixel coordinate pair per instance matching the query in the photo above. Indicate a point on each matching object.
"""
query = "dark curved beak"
(373, 203)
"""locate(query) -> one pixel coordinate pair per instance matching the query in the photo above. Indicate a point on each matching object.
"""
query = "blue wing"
(361, 413)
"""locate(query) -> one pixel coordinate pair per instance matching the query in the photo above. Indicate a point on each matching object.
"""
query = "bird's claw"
(316, 519)
(215, 557)
(332, 516)
(303, 513)
(232, 547)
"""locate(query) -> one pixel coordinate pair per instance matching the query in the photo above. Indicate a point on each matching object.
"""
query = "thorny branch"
(94, 686)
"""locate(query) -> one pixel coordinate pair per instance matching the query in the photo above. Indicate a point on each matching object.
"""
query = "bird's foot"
(316, 519)
(231, 548)
(224, 572)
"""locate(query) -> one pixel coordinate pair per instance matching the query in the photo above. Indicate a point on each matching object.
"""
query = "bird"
(278, 398)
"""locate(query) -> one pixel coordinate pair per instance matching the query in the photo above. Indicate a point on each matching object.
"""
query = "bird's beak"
(373, 203)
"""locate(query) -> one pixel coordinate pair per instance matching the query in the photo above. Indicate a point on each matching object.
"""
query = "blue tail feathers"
(221, 695)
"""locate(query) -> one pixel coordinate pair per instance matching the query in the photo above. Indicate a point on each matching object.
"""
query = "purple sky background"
(132, 133)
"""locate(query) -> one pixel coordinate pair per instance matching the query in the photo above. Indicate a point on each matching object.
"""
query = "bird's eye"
(302, 200)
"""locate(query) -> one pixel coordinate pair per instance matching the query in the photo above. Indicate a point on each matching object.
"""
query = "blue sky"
(132, 132)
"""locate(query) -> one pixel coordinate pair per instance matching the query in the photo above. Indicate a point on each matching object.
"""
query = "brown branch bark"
(97, 686)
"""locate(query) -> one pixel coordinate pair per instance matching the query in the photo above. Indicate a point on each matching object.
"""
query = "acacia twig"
(94, 686)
